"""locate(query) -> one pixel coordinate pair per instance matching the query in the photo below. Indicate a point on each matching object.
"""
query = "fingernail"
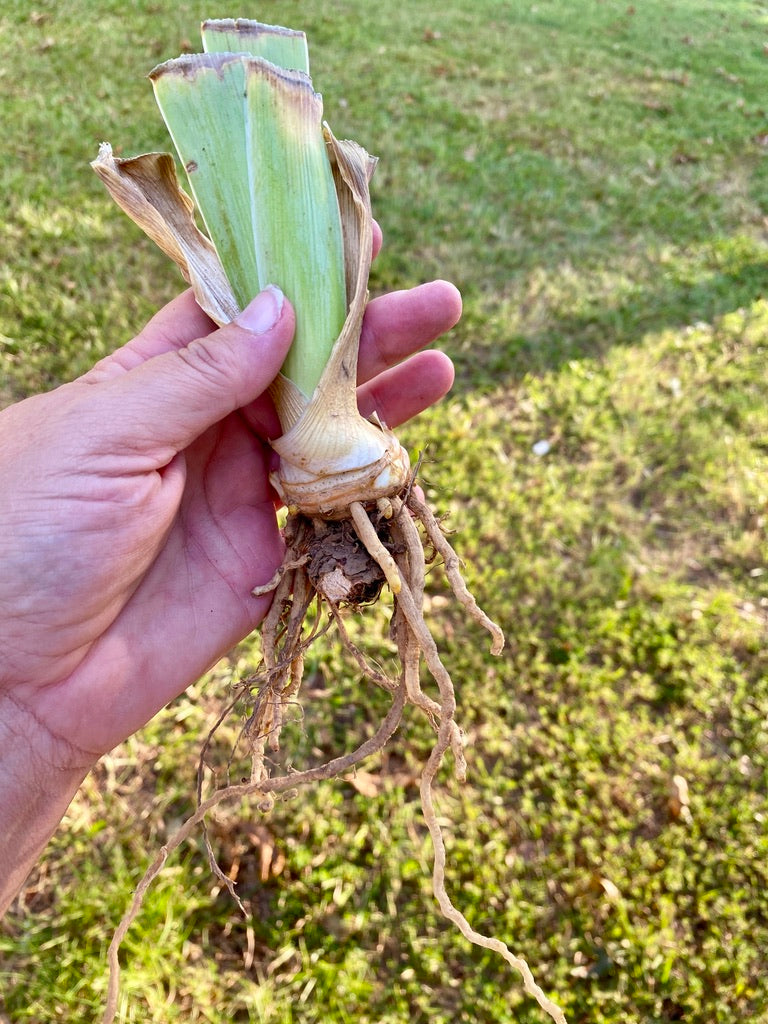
(263, 312)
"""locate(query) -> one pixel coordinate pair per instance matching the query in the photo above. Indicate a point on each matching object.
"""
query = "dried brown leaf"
(147, 188)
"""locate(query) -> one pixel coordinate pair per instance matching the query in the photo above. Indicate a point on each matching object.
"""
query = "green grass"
(594, 176)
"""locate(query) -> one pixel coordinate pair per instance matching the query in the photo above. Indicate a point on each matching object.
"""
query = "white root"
(411, 608)
(420, 641)
(443, 899)
(367, 534)
(452, 567)
(369, 671)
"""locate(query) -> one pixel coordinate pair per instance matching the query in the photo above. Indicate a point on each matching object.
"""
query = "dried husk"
(147, 188)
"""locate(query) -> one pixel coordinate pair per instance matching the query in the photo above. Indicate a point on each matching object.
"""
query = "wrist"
(39, 775)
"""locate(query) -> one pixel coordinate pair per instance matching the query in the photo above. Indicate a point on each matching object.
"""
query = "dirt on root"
(340, 566)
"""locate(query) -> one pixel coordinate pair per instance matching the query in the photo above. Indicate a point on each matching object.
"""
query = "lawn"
(593, 175)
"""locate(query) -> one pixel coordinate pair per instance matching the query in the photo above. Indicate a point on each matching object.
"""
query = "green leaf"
(285, 47)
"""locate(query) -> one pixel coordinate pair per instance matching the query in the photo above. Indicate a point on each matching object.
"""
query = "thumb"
(171, 399)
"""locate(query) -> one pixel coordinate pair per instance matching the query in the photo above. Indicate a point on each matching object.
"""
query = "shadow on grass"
(505, 340)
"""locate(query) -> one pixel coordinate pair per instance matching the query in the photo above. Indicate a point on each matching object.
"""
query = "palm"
(224, 540)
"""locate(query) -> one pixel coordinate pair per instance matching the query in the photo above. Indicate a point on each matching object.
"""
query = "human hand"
(136, 513)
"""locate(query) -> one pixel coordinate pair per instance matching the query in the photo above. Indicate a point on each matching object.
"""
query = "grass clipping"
(354, 530)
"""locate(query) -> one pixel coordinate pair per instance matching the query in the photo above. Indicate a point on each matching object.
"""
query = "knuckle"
(210, 362)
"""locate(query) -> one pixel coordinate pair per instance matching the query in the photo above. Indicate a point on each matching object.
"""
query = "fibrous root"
(330, 566)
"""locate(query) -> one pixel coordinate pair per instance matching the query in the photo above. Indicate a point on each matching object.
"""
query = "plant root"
(330, 566)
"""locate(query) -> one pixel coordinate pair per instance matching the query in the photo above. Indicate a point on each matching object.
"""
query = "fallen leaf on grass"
(271, 859)
(365, 783)
(599, 883)
(679, 799)
(369, 785)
